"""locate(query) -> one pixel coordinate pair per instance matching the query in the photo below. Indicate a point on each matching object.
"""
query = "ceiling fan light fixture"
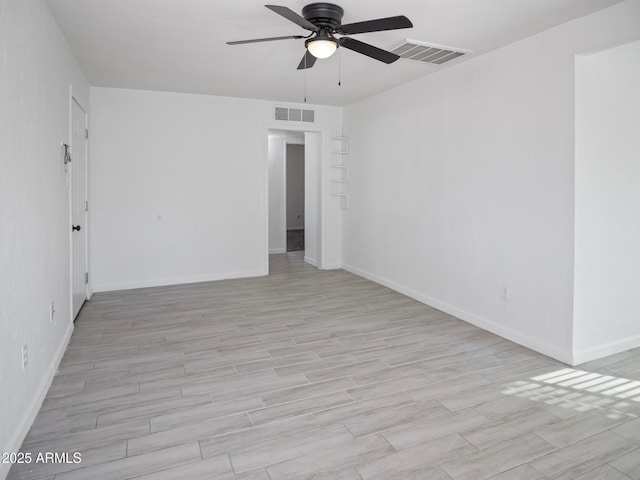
(322, 48)
(323, 45)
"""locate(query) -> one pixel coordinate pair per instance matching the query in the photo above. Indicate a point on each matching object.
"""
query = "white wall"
(35, 75)
(295, 186)
(178, 186)
(462, 183)
(607, 223)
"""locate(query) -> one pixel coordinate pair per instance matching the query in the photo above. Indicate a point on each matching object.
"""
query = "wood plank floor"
(322, 375)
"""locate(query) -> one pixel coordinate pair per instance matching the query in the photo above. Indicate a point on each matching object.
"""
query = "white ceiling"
(179, 45)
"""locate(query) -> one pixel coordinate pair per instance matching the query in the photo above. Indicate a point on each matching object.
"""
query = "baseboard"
(15, 442)
(163, 282)
(610, 348)
(311, 261)
(277, 250)
(478, 321)
(332, 266)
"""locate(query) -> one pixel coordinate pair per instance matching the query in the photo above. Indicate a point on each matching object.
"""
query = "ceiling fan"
(324, 20)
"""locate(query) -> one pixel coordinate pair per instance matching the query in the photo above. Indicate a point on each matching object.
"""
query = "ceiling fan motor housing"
(323, 15)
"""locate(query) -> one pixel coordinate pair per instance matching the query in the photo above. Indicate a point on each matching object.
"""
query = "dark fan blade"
(256, 40)
(389, 23)
(307, 61)
(293, 16)
(368, 50)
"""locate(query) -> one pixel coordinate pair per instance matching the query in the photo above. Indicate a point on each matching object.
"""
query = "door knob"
(75, 227)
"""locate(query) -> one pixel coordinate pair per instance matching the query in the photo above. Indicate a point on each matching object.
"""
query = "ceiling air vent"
(428, 53)
(294, 115)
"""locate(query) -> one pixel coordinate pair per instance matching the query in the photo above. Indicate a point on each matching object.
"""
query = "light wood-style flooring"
(309, 374)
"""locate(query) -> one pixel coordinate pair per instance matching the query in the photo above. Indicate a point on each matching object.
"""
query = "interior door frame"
(322, 188)
(69, 178)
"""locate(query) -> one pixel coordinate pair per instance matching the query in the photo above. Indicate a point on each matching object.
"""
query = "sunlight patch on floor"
(581, 391)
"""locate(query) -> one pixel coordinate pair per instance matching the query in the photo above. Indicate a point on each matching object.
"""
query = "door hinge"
(86, 133)
(86, 277)
(86, 205)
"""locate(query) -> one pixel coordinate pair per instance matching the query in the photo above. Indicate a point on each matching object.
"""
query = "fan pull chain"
(339, 68)
(305, 78)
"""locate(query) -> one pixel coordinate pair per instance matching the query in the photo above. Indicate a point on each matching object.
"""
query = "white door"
(79, 275)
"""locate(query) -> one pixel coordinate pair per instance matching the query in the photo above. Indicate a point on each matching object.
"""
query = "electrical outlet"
(52, 312)
(25, 356)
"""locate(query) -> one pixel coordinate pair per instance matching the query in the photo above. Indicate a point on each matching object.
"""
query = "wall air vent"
(428, 53)
(294, 115)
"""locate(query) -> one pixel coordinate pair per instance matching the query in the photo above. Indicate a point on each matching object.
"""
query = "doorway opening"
(293, 194)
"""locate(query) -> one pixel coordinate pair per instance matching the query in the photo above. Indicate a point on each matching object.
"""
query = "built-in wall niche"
(340, 168)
